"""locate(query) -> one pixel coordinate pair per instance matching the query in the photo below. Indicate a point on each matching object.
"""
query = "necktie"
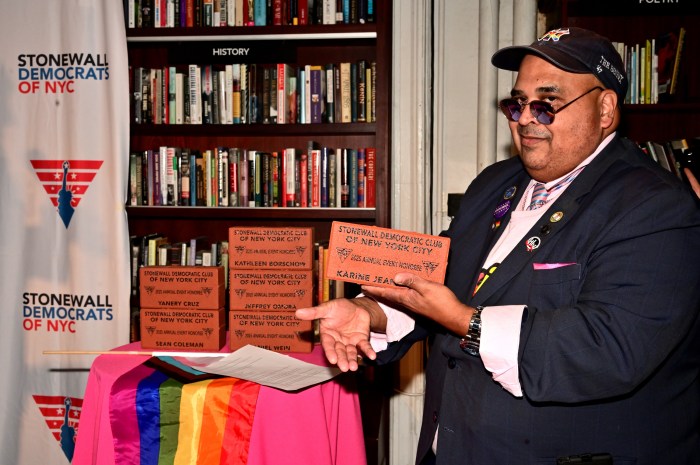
(539, 196)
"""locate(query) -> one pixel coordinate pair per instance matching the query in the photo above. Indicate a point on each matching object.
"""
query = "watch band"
(471, 341)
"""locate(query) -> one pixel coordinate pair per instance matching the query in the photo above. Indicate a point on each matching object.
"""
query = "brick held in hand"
(373, 255)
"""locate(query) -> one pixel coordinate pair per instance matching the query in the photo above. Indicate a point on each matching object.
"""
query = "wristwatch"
(471, 341)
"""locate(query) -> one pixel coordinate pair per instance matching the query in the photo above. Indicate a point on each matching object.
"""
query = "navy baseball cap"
(575, 50)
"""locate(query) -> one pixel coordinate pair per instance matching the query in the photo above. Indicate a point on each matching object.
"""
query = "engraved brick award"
(372, 255)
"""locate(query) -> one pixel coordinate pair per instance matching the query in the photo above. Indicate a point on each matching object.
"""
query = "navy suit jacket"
(609, 351)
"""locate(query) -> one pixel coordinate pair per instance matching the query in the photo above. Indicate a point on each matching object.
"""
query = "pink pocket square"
(550, 266)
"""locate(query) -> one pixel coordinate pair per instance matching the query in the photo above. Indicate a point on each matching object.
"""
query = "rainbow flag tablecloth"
(135, 414)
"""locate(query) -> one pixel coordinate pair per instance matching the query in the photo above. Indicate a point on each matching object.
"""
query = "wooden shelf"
(267, 130)
(239, 213)
(258, 33)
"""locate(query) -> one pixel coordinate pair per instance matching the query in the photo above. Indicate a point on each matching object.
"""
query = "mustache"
(529, 131)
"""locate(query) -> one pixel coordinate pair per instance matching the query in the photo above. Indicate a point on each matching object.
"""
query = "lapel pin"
(501, 209)
(532, 243)
(556, 217)
(510, 192)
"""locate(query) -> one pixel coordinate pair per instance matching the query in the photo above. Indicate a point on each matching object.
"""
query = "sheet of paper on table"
(261, 366)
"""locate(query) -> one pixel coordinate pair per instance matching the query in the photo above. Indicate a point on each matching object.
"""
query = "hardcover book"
(345, 93)
(316, 96)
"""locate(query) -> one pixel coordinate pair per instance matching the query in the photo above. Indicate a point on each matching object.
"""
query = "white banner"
(64, 134)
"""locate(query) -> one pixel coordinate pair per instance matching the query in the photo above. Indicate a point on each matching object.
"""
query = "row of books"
(231, 13)
(255, 93)
(653, 67)
(676, 156)
(321, 177)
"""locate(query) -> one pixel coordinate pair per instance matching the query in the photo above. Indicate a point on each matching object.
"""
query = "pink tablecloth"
(320, 425)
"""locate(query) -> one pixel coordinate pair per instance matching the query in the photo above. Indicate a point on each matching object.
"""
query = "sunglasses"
(542, 111)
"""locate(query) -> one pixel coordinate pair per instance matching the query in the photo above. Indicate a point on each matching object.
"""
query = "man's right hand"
(344, 326)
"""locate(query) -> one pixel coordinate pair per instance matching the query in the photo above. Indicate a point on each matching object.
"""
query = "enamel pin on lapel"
(503, 206)
(556, 217)
(532, 243)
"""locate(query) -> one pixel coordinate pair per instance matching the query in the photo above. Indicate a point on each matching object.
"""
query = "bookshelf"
(318, 44)
(632, 22)
(310, 44)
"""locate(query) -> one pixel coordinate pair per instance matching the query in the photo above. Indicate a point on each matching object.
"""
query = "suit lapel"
(552, 222)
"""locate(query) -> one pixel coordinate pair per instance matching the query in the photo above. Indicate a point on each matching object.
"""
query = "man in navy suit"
(567, 330)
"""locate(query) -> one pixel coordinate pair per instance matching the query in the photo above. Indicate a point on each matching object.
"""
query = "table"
(319, 425)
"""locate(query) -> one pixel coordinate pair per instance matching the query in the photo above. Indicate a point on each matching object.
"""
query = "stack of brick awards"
(182, 308)
(270, 276)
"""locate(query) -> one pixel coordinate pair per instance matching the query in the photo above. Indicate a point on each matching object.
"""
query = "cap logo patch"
(555, 35)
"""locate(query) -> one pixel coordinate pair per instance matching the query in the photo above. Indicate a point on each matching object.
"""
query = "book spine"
(243, 179)
(202, 180)
(193, 179)
(184, 177)
(273, 94)
(283, 178)
(344, 178)
(133, 180)
(275, 178)
(236, 94)
(137, 104)
(172, 94)
(307, 94)
(160, 174)
(260, 13)
(258, 184)
(290, 186)
(315, 101)
(244, 93)
(328, 11)
(361, 91)
(282, 80)
(332, 178)
(277, 15)
(323, 177)
(265, 180)
(677, 61)
(321, 273)
(345, 93)
(297, 179)
(265, 95)
(304, 178)
(303, 12)
(223, 173)
(352, 176)
(330, 93)
(373, 94)
(353, 92)
(233, 162)
(315, 178)
(370, 187)
(326, 281)
(361, 178)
